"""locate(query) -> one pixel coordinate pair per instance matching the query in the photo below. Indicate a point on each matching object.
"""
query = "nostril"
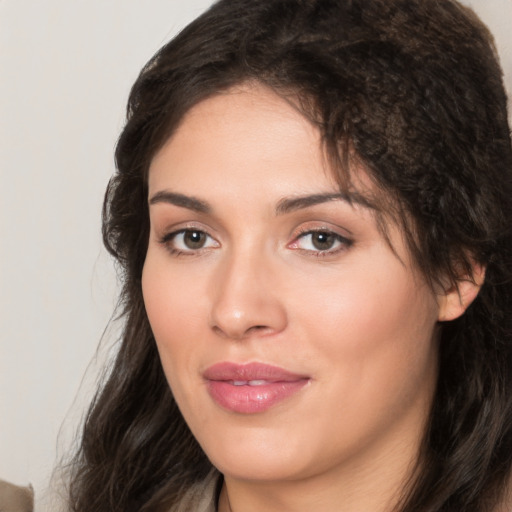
(241, 334)
(258, 328)
(237, 313)
(217, 330)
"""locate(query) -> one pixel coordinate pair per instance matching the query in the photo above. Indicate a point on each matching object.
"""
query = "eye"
(188, 241)
(321, 241)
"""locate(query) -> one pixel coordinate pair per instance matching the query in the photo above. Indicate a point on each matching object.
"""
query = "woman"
(312, 213)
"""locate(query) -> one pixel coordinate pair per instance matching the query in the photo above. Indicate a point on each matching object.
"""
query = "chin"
(258, 456)
(263, 470)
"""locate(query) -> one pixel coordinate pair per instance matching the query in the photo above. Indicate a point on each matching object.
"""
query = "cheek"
(170, 295)
(374, 352)
(172, 310)
(374, 331)
(361, 307)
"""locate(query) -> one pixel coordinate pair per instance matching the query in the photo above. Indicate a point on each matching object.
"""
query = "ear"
(454, 300)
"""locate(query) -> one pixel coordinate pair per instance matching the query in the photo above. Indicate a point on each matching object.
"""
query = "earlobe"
(454, 301)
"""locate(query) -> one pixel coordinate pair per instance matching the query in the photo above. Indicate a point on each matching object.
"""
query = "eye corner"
(188, 241)
(320, 242)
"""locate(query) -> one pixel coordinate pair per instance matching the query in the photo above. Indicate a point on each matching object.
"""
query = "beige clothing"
(15, 499)
(200, 497)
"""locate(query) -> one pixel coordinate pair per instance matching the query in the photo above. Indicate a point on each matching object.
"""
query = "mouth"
(251, 388)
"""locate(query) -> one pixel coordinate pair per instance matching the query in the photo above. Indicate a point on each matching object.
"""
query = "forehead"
(238, 129)
(250, 134)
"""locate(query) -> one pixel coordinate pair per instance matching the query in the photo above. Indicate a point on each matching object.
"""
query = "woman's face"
(295, 340)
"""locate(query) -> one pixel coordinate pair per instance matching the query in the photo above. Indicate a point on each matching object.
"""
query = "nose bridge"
(246, 297)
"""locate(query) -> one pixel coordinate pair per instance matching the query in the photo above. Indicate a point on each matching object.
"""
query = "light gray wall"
(66, 67)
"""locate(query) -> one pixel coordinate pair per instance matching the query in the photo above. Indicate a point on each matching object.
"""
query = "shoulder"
(506, 504)
(201, 497)
(14, 498)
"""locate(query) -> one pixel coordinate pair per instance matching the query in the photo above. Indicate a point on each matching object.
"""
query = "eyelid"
(171, 234)
(166, 231)
(343, 242)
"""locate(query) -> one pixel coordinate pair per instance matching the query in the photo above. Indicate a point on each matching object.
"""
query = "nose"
(246, 301)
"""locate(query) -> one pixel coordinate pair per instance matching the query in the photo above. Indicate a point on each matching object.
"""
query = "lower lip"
(252, 399)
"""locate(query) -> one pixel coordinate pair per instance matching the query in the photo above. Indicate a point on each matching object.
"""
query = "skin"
(357, 318)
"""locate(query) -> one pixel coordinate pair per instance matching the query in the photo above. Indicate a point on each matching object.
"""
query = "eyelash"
(344, 243)
(168, 238)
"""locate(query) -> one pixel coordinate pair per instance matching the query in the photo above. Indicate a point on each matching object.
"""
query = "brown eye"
(323, 241)
(188, 241)
(194, 239)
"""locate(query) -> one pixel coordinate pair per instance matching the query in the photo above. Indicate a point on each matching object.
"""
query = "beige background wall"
(65, 72)
(66, 67)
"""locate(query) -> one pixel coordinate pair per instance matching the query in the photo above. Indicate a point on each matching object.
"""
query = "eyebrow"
(285, 205)
(291, 204)
(189, 202)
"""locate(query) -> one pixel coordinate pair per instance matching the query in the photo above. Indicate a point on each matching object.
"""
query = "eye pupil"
(194, 239)
(322, 241)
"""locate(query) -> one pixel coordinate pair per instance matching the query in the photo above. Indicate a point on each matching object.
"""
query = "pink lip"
(251, 388)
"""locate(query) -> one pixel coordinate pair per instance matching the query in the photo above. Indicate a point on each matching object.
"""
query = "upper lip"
(228, 371)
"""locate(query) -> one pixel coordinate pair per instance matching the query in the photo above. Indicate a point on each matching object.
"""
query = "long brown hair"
(414, 88)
